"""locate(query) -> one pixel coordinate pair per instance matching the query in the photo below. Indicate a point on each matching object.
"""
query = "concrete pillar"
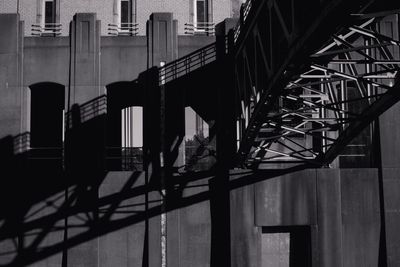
(13, 117)
(162, 39)
(84, 141)
(11, 123)
(85, 59)
(389, 134)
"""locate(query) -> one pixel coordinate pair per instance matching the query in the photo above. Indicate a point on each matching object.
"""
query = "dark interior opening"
(121, 95)
(286, 246)
(47, 105)
(49, 12)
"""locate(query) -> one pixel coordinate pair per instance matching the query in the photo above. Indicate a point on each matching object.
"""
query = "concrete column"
(12, 122)
(13, 117)
(162, 39)
(389, 134)
(85, 59)
(84, 142)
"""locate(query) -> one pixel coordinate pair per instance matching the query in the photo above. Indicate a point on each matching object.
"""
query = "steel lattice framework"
(316, 109)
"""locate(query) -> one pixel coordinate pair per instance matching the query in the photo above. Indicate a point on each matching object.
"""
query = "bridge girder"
(295, 83)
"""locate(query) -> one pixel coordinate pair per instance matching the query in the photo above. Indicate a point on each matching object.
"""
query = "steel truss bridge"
(309, 77)
(313, 79)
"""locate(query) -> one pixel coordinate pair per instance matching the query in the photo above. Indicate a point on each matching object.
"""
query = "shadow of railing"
(124, 158)
(86, 111)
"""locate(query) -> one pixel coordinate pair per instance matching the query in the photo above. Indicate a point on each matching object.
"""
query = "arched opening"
(47, 120)
(124, 136)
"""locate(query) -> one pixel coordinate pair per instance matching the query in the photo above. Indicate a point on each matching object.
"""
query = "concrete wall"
(107, 11)
(30, 60)
(340, 206)
(389, 137)
(11, 95)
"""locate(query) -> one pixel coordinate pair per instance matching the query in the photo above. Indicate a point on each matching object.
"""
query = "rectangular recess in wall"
(85, 36)
(286, 246)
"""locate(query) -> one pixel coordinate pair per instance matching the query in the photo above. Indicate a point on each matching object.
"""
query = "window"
(46, 19)
(125, 13)
(200, 12)
(202, 18)
(49, 12)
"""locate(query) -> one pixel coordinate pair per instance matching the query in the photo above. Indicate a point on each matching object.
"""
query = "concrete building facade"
(33, 12)
(80, 191)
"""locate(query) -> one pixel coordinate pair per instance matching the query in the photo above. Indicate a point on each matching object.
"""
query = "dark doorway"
(286, 246)
(47, 116)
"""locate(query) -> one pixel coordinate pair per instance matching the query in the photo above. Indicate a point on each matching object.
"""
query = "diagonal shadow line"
(107, 200)
(105, 226)
(114, 206)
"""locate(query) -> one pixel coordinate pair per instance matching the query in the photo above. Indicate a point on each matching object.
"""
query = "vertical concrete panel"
(391, 188)
(11, 43)
(389, 126)
(41, 210)
(162, 39)
(329, 247)
(85, 58)
(245, 235)
(360, 217)
(287, 200)
(122, 59)
(195, 230)
(124, 247)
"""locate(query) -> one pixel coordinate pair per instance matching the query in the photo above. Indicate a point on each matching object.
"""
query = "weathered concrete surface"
(391, 189)
(343, 204)
(11, 94)
(329, 218)
(123, 247)
(389, 129)
(188, 44)
(360, 217)
(46, 60)
(287, 200)
(194, 230)
(245, 235)
(122, 58)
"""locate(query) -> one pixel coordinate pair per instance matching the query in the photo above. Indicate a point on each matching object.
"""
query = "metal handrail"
(187, 64)
(46, 29)
(204, 28)
(123, 29)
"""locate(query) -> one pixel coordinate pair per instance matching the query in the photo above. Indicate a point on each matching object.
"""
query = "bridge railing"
(189, 63)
